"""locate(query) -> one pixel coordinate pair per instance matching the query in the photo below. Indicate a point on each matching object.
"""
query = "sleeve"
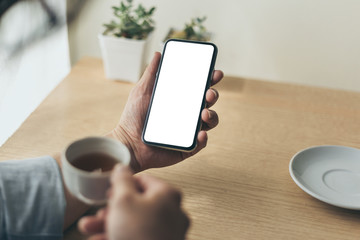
(32, 201)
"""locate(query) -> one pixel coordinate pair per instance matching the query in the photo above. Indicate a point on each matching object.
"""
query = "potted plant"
(195, 30)
(124, 41)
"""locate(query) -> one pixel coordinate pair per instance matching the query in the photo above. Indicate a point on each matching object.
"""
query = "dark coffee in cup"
(87, 165)
(95, 162)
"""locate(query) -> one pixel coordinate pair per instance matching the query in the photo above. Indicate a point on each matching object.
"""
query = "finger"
(149, 184)
(212, 95)
(101, 213)
(155, 188)
(123, 182)
(91, 224)
(201, 143)
(202, 140)
(186, 221)
(210, 119)
(217, 76)
(148, 78)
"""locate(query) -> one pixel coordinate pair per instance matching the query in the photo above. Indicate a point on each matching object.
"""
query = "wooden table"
(239, 187)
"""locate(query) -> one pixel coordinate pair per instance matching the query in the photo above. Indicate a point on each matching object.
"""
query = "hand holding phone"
(173, 118)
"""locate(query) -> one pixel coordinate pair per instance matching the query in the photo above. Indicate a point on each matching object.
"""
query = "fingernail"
(215, 93)
(83, 226)
(210, 114)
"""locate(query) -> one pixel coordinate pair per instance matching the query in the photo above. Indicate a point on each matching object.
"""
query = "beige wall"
(305, 42)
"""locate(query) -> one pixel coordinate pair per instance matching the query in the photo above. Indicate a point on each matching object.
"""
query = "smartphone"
(173, 119)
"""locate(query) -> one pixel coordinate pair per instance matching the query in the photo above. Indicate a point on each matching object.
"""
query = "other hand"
(140, 207)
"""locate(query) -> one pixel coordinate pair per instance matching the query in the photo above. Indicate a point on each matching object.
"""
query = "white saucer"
(329, 173)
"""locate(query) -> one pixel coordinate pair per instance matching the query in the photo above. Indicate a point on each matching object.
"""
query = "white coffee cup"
(91, 186)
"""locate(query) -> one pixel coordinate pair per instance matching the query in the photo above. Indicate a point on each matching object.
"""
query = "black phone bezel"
(208, 83)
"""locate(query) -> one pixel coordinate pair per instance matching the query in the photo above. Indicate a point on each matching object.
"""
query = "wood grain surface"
(239, 187)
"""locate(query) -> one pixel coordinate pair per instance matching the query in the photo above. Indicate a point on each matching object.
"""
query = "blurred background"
(303, 42)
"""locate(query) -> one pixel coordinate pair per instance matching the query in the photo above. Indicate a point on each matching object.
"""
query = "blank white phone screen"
(179, 93)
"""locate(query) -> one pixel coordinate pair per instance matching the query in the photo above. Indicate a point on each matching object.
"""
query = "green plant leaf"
(132, 22)
(194, 30)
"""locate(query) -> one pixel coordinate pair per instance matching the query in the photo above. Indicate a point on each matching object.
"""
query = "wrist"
(120, 135)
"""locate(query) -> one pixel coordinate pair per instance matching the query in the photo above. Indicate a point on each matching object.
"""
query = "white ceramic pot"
(124, 59)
